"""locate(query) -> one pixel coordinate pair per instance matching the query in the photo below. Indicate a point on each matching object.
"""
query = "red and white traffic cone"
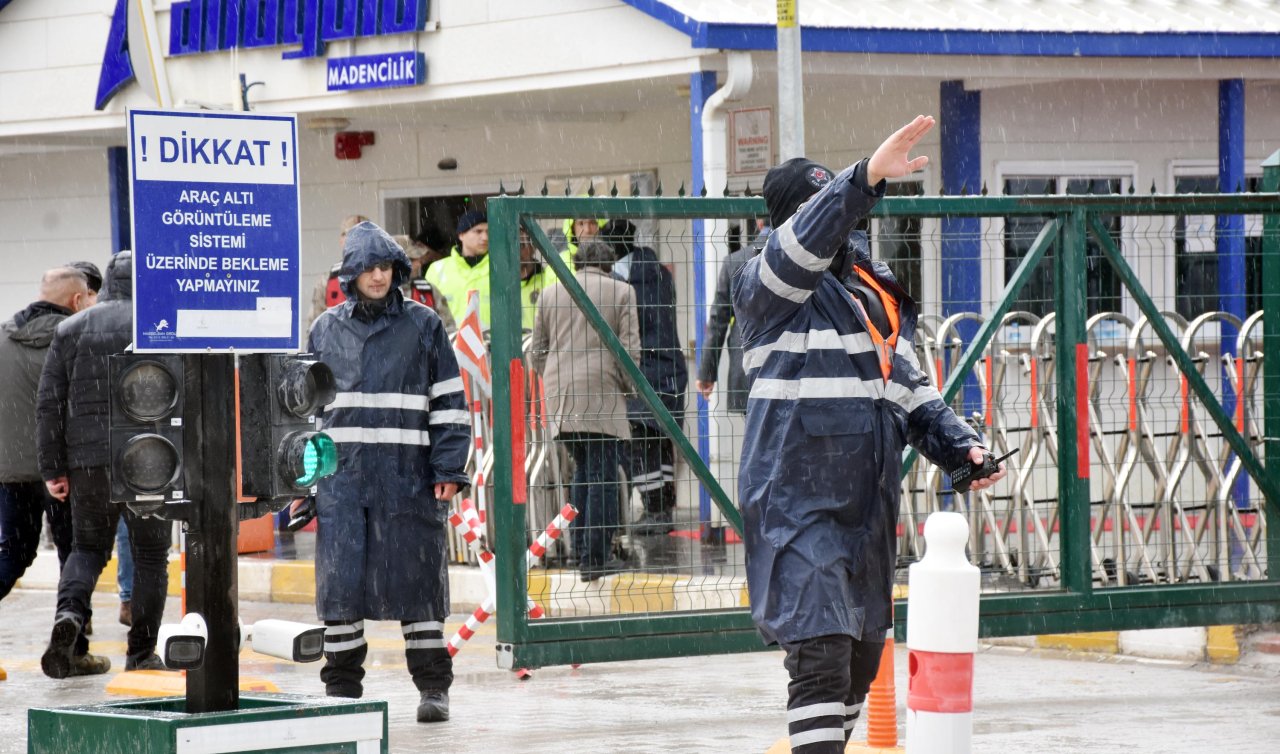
(942, 637)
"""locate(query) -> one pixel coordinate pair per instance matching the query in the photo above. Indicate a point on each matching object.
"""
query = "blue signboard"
(215, 231)
(376, 71)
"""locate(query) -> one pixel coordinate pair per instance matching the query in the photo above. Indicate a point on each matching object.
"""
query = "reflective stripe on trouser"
(653, 471)
(426, 654)
(344, 653)
(830, 677)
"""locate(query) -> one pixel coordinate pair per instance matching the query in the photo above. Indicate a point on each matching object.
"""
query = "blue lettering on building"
(376, 71)
(209, 25)
(117, 69)
(197, 26)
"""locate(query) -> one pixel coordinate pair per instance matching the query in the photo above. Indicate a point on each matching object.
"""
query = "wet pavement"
(1025, 700)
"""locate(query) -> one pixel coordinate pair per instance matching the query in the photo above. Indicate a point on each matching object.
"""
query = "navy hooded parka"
(819, 481)
(401, 427)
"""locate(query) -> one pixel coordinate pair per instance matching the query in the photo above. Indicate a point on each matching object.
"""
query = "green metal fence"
(1175, 560)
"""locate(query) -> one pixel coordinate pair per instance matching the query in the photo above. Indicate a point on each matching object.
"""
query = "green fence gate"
(1139, 501)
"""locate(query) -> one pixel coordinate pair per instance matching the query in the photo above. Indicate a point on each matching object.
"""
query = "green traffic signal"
(319, 459)
(307, 458)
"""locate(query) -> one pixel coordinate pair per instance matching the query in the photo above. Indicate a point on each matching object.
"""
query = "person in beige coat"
(586, 398)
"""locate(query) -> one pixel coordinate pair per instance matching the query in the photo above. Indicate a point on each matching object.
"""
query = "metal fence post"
(1271, 349)
(509, 519)
(1072, 355)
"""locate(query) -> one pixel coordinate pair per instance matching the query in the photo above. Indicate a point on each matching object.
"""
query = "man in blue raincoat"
(836, 392)
(402, 431)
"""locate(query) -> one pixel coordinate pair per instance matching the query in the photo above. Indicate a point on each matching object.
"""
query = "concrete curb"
(563, 594)
(259, 580)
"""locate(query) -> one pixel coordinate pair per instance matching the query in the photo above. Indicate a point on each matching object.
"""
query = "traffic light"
(282, 454)
(146, 445)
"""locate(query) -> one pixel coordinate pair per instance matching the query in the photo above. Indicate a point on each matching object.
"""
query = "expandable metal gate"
(1067, 403)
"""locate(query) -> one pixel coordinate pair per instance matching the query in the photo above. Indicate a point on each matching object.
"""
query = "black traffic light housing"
(282, 454)
(147, 401)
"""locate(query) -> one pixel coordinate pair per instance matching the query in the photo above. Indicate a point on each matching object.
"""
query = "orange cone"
(882, 705)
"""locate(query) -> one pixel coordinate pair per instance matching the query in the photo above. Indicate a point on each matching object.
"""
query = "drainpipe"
(709, 247)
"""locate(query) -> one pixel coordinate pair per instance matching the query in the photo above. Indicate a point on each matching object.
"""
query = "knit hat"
(789, 185)
(470, 220)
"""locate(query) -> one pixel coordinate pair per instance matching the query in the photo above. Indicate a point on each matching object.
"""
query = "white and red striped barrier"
(468, 526)
(942, 637)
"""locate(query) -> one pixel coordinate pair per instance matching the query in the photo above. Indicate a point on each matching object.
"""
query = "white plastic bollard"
(942, 636)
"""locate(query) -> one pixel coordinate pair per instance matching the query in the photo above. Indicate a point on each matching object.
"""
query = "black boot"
(57, 658)
(433, 706)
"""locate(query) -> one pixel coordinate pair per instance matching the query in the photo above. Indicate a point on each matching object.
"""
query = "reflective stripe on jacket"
(819, 480)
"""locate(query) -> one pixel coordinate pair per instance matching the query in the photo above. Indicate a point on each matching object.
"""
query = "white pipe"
(715, 177)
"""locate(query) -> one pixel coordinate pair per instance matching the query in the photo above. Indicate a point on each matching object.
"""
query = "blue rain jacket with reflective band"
(661, 359)
(401, 425)
(819, 479)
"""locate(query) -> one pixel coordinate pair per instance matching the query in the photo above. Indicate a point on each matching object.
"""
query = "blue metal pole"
(1230, 235)
(960, 113)
(701, 86)
(118, 188)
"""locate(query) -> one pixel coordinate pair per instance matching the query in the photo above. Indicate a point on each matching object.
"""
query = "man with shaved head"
(24, 339)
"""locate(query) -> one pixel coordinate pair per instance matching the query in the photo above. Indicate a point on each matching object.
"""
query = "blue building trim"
(701, 86)
(960, 113)
(967, 42)
(118, 186)
(1231, 245)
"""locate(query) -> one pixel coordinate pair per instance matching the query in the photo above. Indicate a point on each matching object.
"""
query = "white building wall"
(54, 208)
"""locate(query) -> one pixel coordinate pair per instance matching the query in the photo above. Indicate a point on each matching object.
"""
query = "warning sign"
(751, 140)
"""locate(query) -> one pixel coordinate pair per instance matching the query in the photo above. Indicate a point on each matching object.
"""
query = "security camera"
(297, 642)
(181, 645)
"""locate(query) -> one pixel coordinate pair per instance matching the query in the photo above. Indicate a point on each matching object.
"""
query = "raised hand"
(890, 158)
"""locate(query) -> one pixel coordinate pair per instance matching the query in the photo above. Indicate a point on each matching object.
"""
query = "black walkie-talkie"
(970, 472)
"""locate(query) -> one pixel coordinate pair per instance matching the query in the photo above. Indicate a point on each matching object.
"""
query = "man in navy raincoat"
(402, 431)
(836, 392)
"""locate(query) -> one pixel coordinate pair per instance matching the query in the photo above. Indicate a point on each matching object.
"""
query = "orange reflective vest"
(884, 346)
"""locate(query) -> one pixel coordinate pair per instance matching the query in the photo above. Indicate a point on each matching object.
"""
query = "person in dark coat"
(24, 341)
(72, 428)
(662, 363)
(585, 398)
(835, 392)
(721, 327)
(402, 431)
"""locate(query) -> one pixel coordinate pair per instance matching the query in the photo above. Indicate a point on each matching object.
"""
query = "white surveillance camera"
(297, 642)
(181, 645)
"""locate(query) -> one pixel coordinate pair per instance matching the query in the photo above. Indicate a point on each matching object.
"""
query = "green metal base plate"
(287, 723)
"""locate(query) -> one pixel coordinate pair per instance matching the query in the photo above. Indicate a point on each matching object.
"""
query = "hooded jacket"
(819, 482)
(24, 341)
(73, 408)
(401, 426)
(661, 357)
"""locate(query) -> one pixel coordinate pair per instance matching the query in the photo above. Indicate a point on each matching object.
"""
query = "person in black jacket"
(720, 324)
(24, 341)
(72, 421)
(662, 363)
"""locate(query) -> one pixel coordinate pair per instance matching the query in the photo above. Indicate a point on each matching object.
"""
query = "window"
(1037, 296)
(897, 242)
(1195, 244)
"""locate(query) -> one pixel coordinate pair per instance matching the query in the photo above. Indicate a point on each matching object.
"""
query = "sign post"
(216, 251)
(216, 231)
(215, 275)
